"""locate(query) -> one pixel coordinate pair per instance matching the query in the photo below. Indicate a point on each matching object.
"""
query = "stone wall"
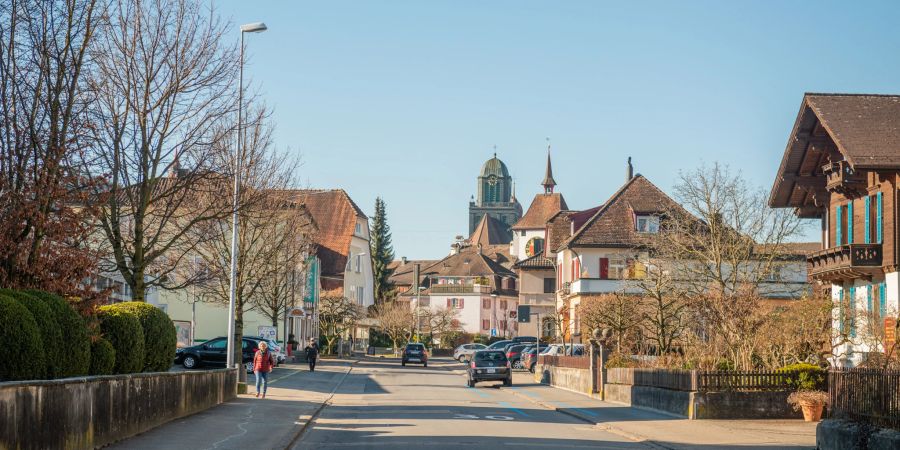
(90, 412)
(578, 380)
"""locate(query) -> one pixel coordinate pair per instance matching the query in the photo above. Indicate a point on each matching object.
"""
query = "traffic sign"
(524, 313)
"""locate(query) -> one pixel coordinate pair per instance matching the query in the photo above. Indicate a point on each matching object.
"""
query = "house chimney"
(629, 174)
(403, 261)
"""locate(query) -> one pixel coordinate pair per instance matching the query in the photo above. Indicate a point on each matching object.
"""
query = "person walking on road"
(263, 362)
(312, 352)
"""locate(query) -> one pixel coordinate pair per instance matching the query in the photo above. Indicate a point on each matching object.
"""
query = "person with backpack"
(263, 362)
(312, 352)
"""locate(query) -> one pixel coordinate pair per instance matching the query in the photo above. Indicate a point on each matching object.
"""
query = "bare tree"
(664, 308)
(45, 242)
(165, 89)
(395, 319)
(337, 315)
(619, 312)
(441, 321)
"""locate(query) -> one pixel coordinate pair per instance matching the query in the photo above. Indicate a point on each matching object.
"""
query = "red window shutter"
(449, 302)
(461, 303)
(485, 324)
(604, 268)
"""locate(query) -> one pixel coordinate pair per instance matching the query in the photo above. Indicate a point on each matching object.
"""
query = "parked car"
(276, 349)
(564, 349)
(529, 358)
(514, 355)
(463, 351)
(414, 352)
(525, 339)
(214, 353)
(489, 365)
(499, 345)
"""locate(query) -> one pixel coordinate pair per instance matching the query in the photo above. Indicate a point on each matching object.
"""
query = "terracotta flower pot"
(812, 411)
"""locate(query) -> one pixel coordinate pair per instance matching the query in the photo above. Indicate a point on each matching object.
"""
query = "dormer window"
(646, 223)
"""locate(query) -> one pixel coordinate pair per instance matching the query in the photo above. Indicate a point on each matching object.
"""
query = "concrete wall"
(578, 380)
(667, 400)
(90, 412)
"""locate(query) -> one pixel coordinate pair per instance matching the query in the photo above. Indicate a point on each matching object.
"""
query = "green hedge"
(51, 336)
(74, 355)
(807, 377)
(123, 330)
(160, 337)
(21, 354)
(103, 357)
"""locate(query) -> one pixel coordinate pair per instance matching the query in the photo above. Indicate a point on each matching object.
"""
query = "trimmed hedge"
(807, 377)
(103, 357)
(51, 336)
(123, 330)
(160, 337)
(21, 355)
(74, 355)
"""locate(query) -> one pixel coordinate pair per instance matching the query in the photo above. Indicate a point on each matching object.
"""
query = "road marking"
(513, 408)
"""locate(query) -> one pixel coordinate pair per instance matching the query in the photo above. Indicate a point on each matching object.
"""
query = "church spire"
(549, 183)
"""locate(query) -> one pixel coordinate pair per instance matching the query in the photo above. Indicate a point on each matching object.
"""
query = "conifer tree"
(382, 252)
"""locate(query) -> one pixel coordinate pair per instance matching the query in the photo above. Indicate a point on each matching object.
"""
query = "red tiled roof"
(335, 215)
(559, 228)
(490, 232)
(538, 261)
(613, 223)
(542, 208)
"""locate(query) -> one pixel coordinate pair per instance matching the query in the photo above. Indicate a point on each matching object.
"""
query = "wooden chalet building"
(841, 166)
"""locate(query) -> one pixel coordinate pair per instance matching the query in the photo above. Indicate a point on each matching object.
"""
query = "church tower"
(496, 197)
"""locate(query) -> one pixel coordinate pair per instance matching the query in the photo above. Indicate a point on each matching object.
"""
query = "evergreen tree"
(382, 252)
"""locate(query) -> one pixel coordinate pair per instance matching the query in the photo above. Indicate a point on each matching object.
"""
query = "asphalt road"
(383, 405)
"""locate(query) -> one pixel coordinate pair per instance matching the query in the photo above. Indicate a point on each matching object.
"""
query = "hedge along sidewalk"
(662, 430)
(247, 422)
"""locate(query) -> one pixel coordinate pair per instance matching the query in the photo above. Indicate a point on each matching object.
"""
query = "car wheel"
(189, 362)
(425, 364)
(517, 364)
(249, 366)
(461, 358)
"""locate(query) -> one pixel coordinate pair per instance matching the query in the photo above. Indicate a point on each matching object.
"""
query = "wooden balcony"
(460, 289)
(841, 178)
(845, 262)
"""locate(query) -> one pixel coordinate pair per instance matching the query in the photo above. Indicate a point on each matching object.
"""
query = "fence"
(866, 395)
(702, 381)
(574, 362)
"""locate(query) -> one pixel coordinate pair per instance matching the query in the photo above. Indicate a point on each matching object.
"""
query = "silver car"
(463, 352)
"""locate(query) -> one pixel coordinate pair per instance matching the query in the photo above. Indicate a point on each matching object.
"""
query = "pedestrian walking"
(263, 362)
(312, 352)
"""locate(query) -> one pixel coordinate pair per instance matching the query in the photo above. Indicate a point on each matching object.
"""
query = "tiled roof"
(490, 232)
(542, 208)
(403, 273)
(613, 223)
(559, 228)
(535, 262)
(335, 215)
(865, 128)
(468, 262)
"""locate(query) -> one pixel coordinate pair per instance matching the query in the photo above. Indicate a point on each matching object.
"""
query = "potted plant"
(811, 402)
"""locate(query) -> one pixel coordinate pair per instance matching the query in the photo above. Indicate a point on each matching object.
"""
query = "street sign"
(268, 332)
(493, 331)
(524, 313)
(296, 312)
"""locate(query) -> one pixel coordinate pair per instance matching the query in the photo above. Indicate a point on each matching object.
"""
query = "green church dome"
(494, 167)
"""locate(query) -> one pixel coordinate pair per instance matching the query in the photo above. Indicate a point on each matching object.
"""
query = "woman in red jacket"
(263, 361)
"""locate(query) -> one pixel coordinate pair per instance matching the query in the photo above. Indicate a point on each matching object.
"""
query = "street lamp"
(256, 27)
(418, 306)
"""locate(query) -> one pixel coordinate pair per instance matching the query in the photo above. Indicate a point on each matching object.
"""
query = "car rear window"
(415, 347)
(490, 356)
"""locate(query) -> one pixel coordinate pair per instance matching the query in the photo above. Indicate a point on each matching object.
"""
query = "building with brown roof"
(476, 281)
(841, 165)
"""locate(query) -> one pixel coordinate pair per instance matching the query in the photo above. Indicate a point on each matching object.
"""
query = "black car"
(525, 339)
(414, 353)
(489, 365)
(514, 355)
(214, 353)
(500, 345)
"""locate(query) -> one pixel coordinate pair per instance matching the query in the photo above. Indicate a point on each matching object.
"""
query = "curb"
(312, 417)
(603, 426)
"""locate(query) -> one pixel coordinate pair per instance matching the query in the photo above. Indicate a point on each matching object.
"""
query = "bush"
(103, 357)
(74, 355)
(123, 330)
(21, 355)
(48, 327)
(160, 337)
(806, 377)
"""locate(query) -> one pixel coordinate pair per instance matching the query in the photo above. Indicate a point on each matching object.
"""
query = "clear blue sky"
(405, 99)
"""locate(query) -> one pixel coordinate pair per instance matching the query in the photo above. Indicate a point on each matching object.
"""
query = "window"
(217, 344)
(456, 303)
(503, 304)
(485, 324)
(358, 228)
(486, 303)
(360, 295)
(522, 233)
(358, 263)
(636, 270)
(873, 219)
(549, 285)
(617, 267)
(646, 224)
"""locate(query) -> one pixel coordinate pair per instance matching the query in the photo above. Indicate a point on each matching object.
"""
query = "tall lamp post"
(256, 27)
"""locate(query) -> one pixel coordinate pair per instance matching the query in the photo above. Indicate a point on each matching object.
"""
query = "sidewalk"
(294, 396)
(666, 431)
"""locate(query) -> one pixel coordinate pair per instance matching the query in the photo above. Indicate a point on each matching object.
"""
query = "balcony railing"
(841, 178)
(460, 289)
(845, 262)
